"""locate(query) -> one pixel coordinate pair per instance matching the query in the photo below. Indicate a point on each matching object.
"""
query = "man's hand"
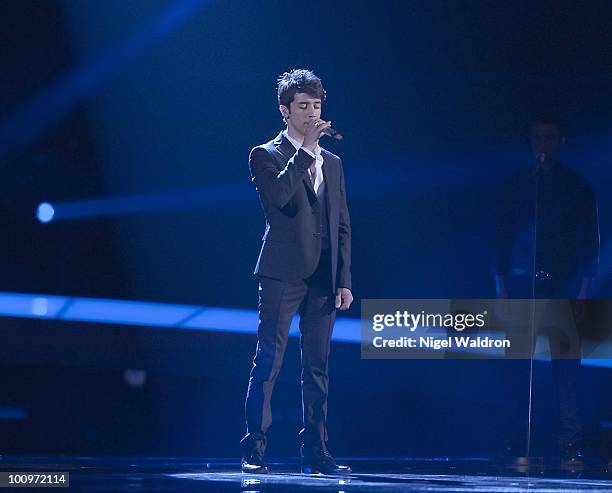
(313, 132)
(344, 298)
(500, 287)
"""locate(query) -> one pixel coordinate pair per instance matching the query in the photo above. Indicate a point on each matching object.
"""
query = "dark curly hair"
(299, 80)
(548, 118)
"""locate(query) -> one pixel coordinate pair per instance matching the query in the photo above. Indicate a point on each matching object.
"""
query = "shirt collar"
(297, 145)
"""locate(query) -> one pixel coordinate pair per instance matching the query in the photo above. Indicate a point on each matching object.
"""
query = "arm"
(505, 230)
(343, 279)
(589, 238)
(274, 186)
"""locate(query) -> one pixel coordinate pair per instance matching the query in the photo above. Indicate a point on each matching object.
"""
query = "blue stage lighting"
(13, 413)
(230, 194)
(209, 319)
(127, 312)
(31, 306)
(45, 212)
(55, 101)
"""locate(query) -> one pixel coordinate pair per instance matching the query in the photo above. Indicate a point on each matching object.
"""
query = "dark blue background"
(433, 98)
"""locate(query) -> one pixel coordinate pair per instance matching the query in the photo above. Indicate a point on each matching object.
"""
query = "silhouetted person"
(547, 242)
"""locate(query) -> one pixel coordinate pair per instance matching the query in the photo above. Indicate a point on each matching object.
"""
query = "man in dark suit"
(303, 267)
(547, 242)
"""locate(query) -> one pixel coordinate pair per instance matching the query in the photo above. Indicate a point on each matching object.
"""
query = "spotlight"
(45, 212)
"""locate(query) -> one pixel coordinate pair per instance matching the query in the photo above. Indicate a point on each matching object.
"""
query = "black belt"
(544, 276)
(540, 275)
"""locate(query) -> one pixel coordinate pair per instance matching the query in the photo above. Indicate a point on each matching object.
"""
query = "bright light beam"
(51, 104)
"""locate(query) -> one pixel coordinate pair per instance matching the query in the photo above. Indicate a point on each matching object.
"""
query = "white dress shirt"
(319, 185)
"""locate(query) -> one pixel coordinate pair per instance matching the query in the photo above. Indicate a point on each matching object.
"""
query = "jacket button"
(316, 234)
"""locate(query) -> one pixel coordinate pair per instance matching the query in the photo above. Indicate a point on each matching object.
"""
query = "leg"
(278, 302)
(316, 322)
(566, 350)
(317, 316)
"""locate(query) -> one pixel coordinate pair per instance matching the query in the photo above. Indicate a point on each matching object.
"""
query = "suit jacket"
(292, 240)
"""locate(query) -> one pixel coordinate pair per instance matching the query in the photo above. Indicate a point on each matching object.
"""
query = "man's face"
(546, 139)
(304, 108)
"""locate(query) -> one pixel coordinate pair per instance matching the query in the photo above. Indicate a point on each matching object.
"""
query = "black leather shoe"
(253, 457)
(317, 460)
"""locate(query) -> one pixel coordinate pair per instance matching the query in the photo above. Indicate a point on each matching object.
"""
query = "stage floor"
(141, 474)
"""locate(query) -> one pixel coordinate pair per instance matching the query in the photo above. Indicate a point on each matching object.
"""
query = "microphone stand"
(540, 158)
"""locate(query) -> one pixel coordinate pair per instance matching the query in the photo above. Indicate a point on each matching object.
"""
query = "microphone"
(332, 132)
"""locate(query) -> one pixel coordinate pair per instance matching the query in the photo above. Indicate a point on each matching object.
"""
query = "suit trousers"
(563, 331)
(279, 301)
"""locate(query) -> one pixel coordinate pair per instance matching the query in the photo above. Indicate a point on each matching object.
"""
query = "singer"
(303, 267)
(547, 241)
(558, 205)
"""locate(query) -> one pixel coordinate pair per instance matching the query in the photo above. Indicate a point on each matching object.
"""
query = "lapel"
(284, 146)
(329, 175)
